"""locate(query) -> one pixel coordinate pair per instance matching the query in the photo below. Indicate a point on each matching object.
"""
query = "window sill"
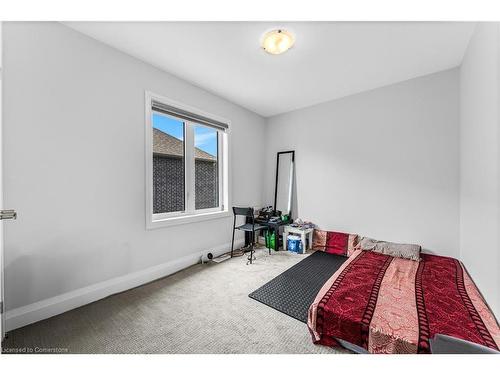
(179, 220)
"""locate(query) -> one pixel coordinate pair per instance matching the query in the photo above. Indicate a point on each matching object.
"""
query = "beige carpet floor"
(203, 309)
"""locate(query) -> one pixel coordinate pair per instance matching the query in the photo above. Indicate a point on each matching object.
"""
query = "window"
(206, 189)
(186, 163)
(169, 188)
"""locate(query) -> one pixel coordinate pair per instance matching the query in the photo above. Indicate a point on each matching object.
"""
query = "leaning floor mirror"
(284, 182)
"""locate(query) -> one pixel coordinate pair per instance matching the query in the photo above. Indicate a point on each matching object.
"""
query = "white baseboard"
(46, 308)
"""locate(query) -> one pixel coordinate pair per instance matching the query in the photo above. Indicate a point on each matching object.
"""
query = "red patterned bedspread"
(394, 305)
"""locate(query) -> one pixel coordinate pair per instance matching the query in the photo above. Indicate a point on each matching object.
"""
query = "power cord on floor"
(240, 252)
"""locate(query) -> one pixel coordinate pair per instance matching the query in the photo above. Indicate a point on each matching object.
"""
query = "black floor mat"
(293, 291)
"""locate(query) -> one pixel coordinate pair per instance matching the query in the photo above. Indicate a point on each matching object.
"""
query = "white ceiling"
(329, 60)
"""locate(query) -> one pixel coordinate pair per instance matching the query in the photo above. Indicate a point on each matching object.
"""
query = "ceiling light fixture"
(277, 41)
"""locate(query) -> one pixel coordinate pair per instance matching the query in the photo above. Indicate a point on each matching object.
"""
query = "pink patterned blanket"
(392, 305)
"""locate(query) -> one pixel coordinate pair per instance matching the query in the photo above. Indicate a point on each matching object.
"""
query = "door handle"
(8, 214)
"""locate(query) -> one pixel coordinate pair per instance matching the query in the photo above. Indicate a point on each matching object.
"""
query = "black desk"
(272, 226)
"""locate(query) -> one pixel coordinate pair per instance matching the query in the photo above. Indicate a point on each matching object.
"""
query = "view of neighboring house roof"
(165, 144)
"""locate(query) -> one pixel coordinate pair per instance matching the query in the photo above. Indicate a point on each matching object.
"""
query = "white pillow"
(399, 250)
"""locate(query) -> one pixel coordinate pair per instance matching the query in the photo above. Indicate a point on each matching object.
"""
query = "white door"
(2, 307)
(4, 214)
(2, 317)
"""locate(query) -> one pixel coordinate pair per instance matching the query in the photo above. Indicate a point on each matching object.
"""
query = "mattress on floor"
(386, 304)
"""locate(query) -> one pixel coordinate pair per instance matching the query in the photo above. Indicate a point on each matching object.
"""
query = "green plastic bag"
(270, 240)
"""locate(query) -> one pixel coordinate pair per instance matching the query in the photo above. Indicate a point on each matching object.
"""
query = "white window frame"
(190, 214)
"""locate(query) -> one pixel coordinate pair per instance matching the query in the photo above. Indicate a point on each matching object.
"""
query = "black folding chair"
(249, 226)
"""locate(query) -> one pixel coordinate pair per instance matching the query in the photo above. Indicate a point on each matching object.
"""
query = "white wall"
(74, 167)
(383, 163)
(479, 161)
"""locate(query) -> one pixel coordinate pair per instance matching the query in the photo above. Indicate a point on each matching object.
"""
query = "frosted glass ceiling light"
(277, 41)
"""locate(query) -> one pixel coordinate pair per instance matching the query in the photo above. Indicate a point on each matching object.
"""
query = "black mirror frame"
(277, 169)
